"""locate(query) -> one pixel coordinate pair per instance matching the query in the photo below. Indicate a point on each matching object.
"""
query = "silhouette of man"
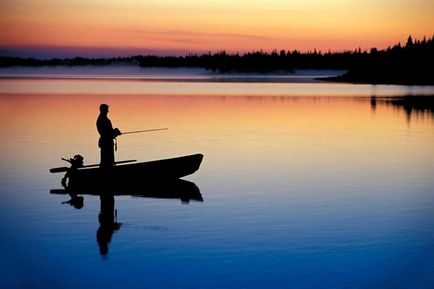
(107, 135)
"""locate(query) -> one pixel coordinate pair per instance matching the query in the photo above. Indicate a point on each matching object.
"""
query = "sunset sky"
(48, 28)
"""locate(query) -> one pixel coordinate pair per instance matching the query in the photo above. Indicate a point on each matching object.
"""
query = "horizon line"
(46, 52)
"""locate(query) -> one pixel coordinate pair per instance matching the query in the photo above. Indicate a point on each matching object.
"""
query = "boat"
(134, 174)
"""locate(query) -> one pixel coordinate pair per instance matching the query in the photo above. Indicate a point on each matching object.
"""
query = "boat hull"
(127, 175)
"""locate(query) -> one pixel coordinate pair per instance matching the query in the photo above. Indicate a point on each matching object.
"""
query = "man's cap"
(103, 107)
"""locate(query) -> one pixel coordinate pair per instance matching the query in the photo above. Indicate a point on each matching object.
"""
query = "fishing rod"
(146, 130)
(136, 131)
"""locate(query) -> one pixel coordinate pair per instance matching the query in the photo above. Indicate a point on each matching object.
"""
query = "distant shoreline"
(134, 73)
(343, 79)
(414, 80)
(410, 64)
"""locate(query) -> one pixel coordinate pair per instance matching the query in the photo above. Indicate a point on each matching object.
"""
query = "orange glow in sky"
(179, 27)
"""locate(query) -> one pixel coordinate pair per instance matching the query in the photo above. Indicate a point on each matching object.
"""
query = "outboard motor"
(76, 162)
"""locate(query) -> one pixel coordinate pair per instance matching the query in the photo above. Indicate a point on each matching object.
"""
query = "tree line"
(412, 63)
(395, 64)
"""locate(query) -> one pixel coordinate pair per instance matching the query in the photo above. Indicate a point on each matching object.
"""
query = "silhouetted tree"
(409, 64)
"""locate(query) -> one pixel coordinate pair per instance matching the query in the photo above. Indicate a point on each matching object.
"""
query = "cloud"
(189, 36)
(51, 51)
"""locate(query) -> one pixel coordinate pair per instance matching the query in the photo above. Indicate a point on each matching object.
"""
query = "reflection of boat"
(175, 189)
(133, 173)
(171, 189)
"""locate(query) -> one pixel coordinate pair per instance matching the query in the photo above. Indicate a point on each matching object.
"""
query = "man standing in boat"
(107, 136)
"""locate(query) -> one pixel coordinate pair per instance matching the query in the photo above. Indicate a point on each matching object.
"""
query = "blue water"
(299, 191)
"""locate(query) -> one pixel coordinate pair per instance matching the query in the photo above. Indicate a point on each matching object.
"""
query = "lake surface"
(304, 185)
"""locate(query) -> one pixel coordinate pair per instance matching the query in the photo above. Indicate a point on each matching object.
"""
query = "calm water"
(305, 185)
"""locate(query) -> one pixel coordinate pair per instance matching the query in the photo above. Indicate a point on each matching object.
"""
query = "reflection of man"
(107, 222)
(107, 135)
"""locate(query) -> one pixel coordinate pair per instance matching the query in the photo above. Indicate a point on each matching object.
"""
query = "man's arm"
(116, 132)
